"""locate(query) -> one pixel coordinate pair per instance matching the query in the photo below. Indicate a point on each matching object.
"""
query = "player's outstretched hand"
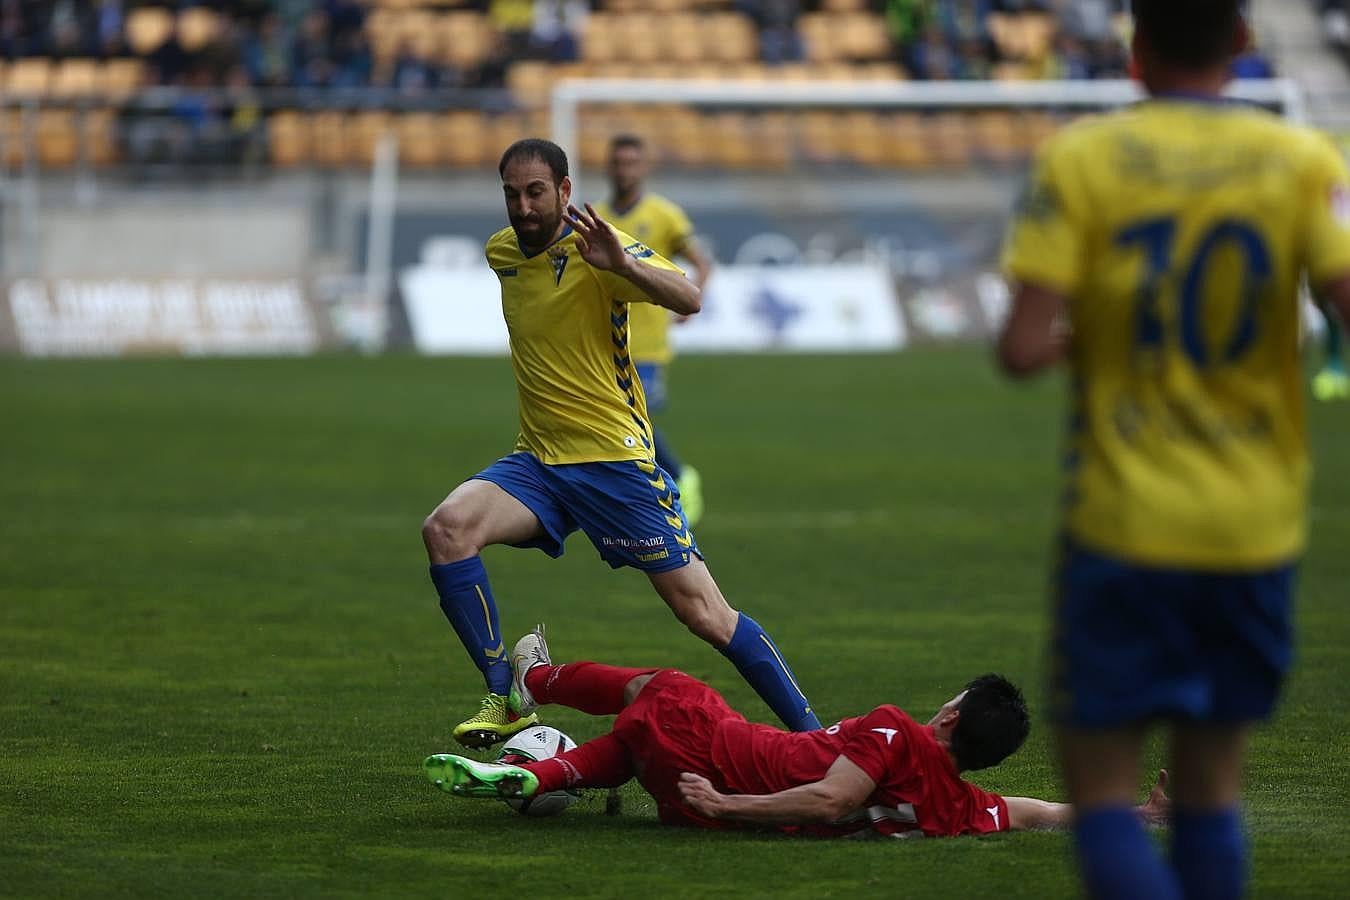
(597, 242)
(699, 795)
(1157, 809)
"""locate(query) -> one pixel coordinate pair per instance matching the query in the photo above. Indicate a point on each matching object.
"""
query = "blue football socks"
(1118, 860)
(466, 600)
(1209, 854)
(757, 659)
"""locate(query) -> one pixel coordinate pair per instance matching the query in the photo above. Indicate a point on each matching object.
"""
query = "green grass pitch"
(221, 660)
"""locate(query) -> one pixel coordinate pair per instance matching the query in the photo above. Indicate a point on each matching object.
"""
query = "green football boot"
(493, 724)
(470, 778)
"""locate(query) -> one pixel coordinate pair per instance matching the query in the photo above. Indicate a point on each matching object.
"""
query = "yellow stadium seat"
(288, 139)
(365, 132)
(906, 142)
(866, 140)
(419, 140)
(464, 139)
(119, 78)
(996, 137)
(820, 35)
(684, 39)
(76, 78)
(820, 135)
(465, 38)
(598, 39)
(100, 136)
(843, 6)
(863, 36)
(772, 141)
(733, 38)
(147, 28)
(530, 82)
(31, 77)
(12, 151)
(58, 141)
(330, 142)
(951, 140)
(422, 32)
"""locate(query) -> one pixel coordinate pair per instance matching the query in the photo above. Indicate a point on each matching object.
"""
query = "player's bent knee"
(714, 625)
(446, 533)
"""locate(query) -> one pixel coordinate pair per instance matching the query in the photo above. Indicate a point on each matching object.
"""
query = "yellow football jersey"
(580, 398)
(1180, 231)
(663, 226)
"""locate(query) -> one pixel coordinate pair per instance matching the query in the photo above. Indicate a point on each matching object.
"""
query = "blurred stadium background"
(253, 177)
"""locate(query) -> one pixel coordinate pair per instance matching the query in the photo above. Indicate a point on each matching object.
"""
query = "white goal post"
(569, 95)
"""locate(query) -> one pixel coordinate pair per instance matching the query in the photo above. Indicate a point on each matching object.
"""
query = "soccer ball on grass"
(533, 745)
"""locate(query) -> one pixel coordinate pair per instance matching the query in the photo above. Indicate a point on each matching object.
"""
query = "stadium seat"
(11, 138)
(843, 6)
(772, 141)
(684, 39)
(866, 142)
(423, 32)
(639, 38)
(419, 140)
(99, 128)
(732, 140)
(950, 139)
(820, 135)
(862, 37)
(147, 28)
(382, 31)
(288, 139)
(820, 35)
(330, 143)
(529, 82)
(76, 78)
(906, 141)
(58, 141)
(996, 137)
(119, 78)
(733, 38)
(365, 131)
(464, 139)
(31, 77)
(598, 41)
(465, 39)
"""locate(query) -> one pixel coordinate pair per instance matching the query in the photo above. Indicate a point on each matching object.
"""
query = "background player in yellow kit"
(584, 457)
(1174, 235)
(663, 226)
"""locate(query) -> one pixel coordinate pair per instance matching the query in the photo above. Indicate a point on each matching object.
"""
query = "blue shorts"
(1134, 644)
(653, 378)
(630, 510)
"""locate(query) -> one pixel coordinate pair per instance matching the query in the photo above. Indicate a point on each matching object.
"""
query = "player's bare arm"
(1030, 814)
(1035, 336)
(700, 259)
(600, 246)
(844, 789)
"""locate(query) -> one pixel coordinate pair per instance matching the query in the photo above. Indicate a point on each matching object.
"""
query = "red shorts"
(669, 729)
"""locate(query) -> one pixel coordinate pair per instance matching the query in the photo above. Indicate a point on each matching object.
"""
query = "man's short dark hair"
(619, 141)
(1191, 34)
(540, 149)
(993, 723)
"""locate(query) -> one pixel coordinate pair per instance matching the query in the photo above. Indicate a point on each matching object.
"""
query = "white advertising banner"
(110, 317)
(807, 308)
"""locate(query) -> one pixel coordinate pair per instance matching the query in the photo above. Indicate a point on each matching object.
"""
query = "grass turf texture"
(221, 660)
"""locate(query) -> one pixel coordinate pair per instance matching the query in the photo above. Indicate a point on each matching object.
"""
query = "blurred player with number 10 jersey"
(1175, 234)
(660, 224)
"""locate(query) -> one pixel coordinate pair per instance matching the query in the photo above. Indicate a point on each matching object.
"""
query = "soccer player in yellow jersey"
(584, 457)
(1159, 249)
(660, 224)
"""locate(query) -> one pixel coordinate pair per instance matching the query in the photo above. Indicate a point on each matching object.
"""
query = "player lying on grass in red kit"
(706, 766)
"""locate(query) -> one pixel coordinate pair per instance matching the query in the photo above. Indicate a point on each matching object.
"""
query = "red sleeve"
(985, 813)
(878, 743)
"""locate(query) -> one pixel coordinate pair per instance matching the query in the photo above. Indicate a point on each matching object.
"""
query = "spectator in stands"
(514, 19)
(932, 58)
(312, 52)
(906, 23)
(265, 54)
(776, 21)
(413, 73)
(554, 33)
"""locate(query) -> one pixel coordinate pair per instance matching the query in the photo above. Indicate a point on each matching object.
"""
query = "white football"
(539, 743)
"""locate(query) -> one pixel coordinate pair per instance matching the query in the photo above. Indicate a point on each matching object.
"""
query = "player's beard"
(535, 233)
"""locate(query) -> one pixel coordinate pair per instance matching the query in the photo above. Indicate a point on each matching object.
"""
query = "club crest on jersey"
(559, 260)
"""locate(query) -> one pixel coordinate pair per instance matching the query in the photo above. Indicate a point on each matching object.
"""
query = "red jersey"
(919, 792)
